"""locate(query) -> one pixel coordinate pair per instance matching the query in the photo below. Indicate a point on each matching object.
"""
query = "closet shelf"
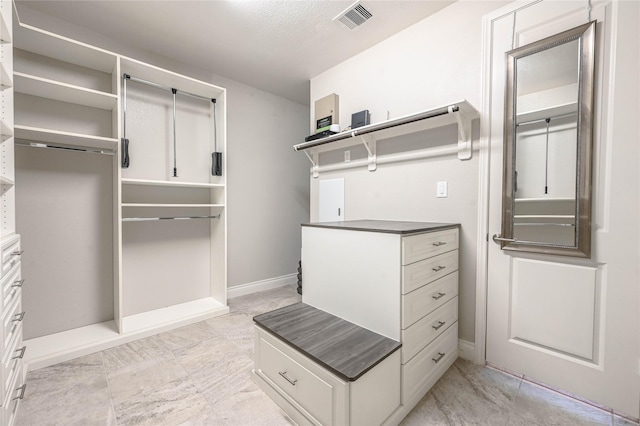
(541, 114)
(5, 34)
(461, 113)
(186, 313)
(5, 129)
(168, 78)
(5, 78)
(64, 139)
(147, 182)
(151, 205)
(50, 89)
(48, 44)
(5, 181)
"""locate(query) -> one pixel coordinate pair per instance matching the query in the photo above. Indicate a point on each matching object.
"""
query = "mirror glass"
(548, 126)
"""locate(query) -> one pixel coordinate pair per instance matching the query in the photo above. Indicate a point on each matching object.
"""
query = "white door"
(331, 200)
(566, 322)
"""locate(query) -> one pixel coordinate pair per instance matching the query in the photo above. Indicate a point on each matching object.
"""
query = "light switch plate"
(441, 190)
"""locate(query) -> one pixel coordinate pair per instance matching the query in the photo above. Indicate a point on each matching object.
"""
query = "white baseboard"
(256, 286)
(467, 350)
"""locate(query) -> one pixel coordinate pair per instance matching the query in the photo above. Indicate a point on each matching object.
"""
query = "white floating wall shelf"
(461, 113)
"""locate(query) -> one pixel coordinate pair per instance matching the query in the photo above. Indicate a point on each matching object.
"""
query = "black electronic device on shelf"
(319, 135)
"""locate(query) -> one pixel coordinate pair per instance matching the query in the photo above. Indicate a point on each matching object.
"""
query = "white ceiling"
(274, 45)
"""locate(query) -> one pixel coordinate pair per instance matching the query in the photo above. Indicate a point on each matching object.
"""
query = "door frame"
(484, 157)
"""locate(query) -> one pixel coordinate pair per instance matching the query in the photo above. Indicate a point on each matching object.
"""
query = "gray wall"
(268, 190)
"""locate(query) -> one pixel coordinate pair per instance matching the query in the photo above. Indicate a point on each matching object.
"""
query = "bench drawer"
(314, 394)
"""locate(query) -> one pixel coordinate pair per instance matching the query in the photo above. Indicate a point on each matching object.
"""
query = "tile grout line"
(106, 378)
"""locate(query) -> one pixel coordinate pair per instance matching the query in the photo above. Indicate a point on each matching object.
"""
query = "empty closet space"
(64, 210)
(66, 127)
(173, 233)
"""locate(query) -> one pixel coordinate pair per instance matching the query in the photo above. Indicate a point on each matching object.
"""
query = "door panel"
(574, 324)
(553, 306)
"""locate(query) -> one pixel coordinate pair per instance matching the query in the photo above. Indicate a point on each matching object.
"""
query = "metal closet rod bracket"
(464, 134)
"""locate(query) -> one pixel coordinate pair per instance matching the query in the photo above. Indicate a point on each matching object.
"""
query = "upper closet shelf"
(147, 182)
(50, 89)
(166, 78)
(558, 111)
(65, 139)
(461, 113)
(5, 78)
(51, 45)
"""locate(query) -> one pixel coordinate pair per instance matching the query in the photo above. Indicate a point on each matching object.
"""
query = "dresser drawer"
(11, 284)
(11, 324)
(423, 301)
(12, 365)
(304, 388)
(12, 399)
(11, 253)
(423, 332)
(430, 363)
(424, 271)
(423, 246)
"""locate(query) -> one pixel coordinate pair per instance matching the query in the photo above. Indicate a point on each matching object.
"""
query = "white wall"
(267, 190)
(435, 62)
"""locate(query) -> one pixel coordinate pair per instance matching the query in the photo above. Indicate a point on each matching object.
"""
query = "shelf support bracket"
(314, 163)
(464, 135)
(370, 146)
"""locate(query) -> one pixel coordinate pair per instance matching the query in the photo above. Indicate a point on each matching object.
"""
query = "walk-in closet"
(122, 196)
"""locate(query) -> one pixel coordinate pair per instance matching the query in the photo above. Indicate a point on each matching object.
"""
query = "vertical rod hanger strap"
(546, 160)
(175, 163)
(215, 127)
(124, 152)
(125, 77)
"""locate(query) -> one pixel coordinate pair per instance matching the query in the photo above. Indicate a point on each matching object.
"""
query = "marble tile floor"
(200, 375)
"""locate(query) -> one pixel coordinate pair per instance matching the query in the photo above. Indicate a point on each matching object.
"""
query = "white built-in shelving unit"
(12, 313)
(122, 252)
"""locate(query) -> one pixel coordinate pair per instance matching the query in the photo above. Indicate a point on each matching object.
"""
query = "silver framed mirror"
(546, 200)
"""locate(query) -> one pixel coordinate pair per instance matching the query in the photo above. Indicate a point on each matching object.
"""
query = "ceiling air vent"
(354, 16)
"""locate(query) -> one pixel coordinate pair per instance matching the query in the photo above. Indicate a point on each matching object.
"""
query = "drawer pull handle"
(440, 324)
(17, 253)
(439, 243)
(18, 283)
(438, 268)
(438, 358)
(439, 295)
(22, 350)
(284, 374)
(22, 389)
(18, 317)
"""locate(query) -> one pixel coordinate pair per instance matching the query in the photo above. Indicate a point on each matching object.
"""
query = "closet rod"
(146, 219)
(540, 120)
(44, 145)
(542, 224)
(160, 86)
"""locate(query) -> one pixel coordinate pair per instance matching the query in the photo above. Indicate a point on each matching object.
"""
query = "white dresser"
(398, 279)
